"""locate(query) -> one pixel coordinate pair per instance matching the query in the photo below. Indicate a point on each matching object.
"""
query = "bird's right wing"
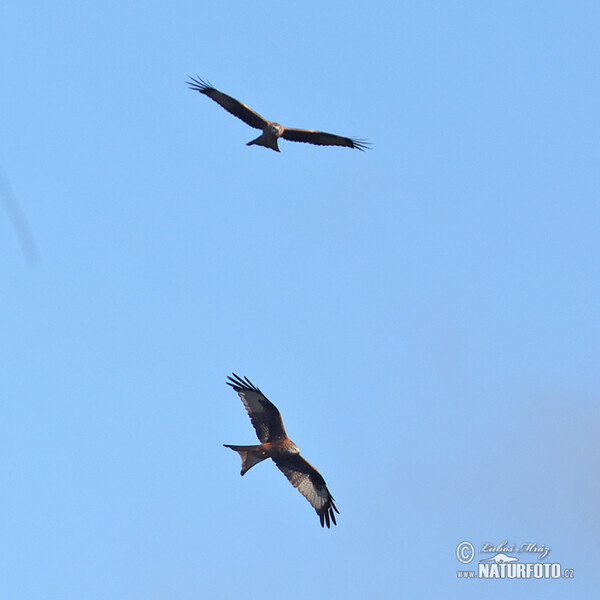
(231, 105)
(310, 483)
(321, 138)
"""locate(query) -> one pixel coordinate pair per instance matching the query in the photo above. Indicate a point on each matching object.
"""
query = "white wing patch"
(318, 497)
(252, 401)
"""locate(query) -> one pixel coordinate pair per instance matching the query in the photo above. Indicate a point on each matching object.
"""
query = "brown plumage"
(271, 131)
(275, 444)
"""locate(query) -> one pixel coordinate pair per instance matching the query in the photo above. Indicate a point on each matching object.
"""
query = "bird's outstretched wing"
(231, 105)
(310, 483)
(321, 138)
(264, 415)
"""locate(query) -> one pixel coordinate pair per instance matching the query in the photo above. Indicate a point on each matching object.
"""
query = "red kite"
(271, 131)
(275, 444)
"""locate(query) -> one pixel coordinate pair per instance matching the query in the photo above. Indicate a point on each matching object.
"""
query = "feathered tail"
(251, 455)
(268, 141)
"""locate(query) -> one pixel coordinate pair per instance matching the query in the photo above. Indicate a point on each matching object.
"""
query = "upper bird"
(271, 131)
(275, 444)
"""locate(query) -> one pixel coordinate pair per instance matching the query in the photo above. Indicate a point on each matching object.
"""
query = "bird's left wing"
(231, 105)
(310, 483)
(264, 415)
(322, 139)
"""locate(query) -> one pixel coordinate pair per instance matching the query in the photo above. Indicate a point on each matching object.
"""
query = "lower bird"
(275, 444)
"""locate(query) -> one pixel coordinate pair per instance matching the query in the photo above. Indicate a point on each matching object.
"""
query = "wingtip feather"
(199, 85)
(360, 144)
(239, 384)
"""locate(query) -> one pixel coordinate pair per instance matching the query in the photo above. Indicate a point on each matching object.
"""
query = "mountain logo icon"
(501, 558)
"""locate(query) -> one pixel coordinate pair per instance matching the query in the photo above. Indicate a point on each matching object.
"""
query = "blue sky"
(425, 314)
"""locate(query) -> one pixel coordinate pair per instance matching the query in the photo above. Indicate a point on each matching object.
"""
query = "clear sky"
(425, 314)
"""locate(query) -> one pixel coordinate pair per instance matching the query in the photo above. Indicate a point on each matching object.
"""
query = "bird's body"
(271, 131)
(268, 138)
(275, 444)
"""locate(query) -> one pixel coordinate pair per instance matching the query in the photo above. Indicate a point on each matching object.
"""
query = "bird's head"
(293, 449)
(276, 129)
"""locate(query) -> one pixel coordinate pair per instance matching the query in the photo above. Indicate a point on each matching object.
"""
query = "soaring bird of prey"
(275, 444)
(271, 131)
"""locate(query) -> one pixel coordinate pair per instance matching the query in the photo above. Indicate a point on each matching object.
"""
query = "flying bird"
(271, 131)
(275, 444)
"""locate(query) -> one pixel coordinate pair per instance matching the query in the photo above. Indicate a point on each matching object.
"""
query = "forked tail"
(251, 455)
(266, 141)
